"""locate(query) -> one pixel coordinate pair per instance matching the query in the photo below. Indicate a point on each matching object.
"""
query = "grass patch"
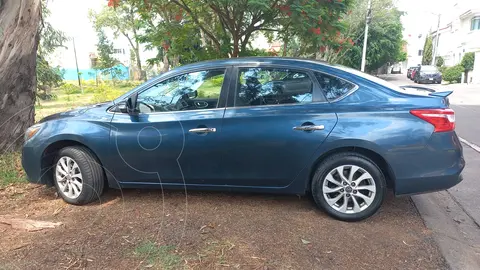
(161, 257)
(11, 169)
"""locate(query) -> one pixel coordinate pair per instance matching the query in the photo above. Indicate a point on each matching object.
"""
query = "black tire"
(348, 158)
(93, 176)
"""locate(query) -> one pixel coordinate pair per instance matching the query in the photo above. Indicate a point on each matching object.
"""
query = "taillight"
(442, 119)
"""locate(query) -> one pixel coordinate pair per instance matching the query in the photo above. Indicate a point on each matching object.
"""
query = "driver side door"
(172, 139)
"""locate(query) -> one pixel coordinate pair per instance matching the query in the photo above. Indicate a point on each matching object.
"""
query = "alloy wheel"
(349, 189)
(69, 177)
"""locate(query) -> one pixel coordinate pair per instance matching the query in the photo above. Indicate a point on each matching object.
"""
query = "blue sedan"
(273, 125)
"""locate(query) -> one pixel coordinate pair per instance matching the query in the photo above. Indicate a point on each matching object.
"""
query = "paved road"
(454, 215)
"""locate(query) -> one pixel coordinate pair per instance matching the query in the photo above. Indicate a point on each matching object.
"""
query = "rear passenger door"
(275, 120)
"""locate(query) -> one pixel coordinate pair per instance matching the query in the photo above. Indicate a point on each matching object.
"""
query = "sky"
(72, 18)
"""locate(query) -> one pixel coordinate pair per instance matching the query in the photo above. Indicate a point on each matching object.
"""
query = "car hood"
(76, 112)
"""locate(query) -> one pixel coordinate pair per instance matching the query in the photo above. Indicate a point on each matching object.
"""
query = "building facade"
(460, 35)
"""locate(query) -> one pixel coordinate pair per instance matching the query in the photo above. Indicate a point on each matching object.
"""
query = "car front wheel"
(348, 186)
(78, 176)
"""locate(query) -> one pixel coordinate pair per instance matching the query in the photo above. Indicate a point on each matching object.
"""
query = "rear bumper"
(426, 184)
(436, 166)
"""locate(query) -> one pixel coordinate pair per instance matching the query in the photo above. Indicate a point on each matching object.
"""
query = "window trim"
(317, 96)
(222, 99)
(475, 19)
(351, 91)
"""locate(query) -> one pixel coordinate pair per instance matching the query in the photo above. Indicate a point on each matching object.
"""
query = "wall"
(89, 74)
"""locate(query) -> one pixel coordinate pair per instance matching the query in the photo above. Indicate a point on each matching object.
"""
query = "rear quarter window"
(332, 87)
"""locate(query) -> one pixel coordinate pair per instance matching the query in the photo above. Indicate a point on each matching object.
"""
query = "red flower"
(113, 3)
(351, 41)
(323, 49)
(289, 13)
(178, 17)
(165, 46)
(338, 33)
(317, 31)
(339, 49)
(284, 8)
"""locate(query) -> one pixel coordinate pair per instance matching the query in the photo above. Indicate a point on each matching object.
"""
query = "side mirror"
(131, 104)
(122, 107)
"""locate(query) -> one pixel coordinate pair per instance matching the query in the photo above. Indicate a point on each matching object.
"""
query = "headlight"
(31, 131)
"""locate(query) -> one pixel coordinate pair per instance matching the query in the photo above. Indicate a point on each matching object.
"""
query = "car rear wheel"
(78, 176)
(348, 186)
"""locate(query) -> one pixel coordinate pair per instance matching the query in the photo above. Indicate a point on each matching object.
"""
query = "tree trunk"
(19, 37)
(139, 63)
(236, 49)
(166, 64)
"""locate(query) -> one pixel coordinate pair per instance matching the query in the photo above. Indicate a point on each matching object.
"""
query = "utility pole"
(76, 63)
(435, 48)
(367, 21)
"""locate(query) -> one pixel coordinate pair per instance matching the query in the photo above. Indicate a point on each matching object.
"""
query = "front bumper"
(430, 80)
(31, 162)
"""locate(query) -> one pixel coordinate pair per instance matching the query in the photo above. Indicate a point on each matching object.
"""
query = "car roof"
(254, 60)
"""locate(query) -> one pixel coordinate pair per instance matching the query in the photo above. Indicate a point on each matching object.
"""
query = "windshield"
(429, 69)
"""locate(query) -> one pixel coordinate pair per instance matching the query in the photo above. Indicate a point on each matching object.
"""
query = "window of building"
(475, 23)
(420, 52)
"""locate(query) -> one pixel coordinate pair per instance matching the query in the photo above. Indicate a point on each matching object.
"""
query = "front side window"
(272, 86)
(190, 91)
(475, 23)
(332, 87)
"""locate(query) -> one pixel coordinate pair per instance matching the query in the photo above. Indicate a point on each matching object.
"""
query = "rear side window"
(333, 88)
(272, 86)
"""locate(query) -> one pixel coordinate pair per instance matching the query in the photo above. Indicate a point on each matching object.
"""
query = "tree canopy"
(124, 20)
(385, 40)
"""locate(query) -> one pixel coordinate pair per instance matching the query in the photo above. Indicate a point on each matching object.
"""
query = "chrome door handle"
(309, 128)
(202, 130)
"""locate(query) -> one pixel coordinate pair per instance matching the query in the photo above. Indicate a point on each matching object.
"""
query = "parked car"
(428, 74)
(409, 72)
(414, 71)
(274, 125)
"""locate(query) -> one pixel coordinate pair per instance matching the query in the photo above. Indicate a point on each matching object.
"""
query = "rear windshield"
(429, 68)
(371, 78)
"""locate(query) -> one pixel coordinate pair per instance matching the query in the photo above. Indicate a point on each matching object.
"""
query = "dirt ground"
(151, 229)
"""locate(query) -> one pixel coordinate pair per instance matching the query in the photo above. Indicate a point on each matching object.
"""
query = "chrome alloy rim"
(69, 177)
(349, 189)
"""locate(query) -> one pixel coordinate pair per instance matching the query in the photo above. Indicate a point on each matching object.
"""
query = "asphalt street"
(454, 215)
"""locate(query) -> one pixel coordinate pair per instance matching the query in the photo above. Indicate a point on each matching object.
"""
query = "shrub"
(439, 62)
(453, 74)
(106, 93)
(129, 84)
(217, 81)
(70, 89)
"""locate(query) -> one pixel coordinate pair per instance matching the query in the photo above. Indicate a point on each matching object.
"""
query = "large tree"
(19, 35)
(225, 28)
(384, 43)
